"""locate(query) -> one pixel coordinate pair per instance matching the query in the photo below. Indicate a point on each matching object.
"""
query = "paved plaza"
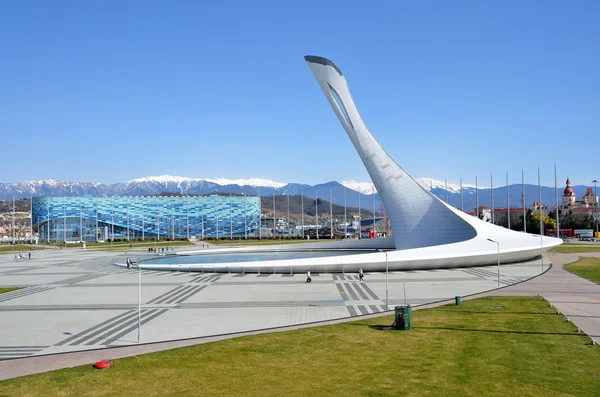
(78, 300)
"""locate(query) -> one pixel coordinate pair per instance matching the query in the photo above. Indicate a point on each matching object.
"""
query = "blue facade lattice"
(133, 218)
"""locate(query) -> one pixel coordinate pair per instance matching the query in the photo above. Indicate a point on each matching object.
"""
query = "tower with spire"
(568, 195)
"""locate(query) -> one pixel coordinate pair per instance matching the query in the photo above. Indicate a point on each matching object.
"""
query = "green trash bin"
(403, 318)
(457, 300)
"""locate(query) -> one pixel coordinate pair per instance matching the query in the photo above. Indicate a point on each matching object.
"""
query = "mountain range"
(350, 191)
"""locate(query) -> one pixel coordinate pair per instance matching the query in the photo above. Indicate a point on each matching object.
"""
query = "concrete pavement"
(78, 302)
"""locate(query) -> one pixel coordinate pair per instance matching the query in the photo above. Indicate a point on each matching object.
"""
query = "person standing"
(360, 274)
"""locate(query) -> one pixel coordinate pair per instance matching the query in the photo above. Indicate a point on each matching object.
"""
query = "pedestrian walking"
(360, 274)
(29, 255)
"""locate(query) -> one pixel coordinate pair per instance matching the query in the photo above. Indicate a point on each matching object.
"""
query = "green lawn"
(573, 249)
(4, 290)
(587, 268)
(17, 248)
(516, 346)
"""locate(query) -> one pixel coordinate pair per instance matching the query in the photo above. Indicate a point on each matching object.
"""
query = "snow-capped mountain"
(168, 179)
(432, 184)
(350, 192)
(363, 187)
(49, 187)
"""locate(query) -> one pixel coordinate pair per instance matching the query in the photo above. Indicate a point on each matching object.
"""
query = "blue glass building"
(102, 218)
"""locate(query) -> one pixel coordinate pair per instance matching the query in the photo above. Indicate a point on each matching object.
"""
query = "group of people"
(23, 256)
(160, 250)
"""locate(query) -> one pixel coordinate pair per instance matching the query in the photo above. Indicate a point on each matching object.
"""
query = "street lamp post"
(541, 219)
(386, 278)
(139, 303)
(498, 256)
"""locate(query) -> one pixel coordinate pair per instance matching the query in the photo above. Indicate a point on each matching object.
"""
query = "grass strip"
(588, 268)
(17, 248)
(495, 346)
(572, 249)
(5, 290)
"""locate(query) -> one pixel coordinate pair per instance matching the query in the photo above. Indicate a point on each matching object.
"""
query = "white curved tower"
(428, 233)
(418, 218)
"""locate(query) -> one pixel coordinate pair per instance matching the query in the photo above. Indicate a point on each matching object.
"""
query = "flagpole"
(492, 194)
(462, 203)
(302, 210)
(359, 220)
(476, 197)
(13, 224)
(507, 200)
(31, 219)
(187, 216)
(317, 210)
(556, 194)
(446, 188)
(373, 204)
(345, 220)
(523, 200)
(330, 216)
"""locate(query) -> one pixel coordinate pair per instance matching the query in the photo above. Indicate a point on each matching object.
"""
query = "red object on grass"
(103, 364)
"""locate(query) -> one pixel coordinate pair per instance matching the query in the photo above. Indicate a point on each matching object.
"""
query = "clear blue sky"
(114, 90)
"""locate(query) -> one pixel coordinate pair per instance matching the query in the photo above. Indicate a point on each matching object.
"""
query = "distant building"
(104, 218)
(588, 202)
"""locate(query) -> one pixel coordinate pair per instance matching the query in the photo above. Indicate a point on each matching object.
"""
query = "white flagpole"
(330, 216)
(492, 194)
(302, 209)
(462, 203)
(13, 223)
(345, 220)
(556, 193)
(476, 198)
(317, 210)
(507, 200)
(359, 218)
(446, 187)
(523, 200)
(143, 226)
(373, 204)
(187, 216)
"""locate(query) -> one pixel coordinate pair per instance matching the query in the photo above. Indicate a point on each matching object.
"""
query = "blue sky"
(114, 90)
